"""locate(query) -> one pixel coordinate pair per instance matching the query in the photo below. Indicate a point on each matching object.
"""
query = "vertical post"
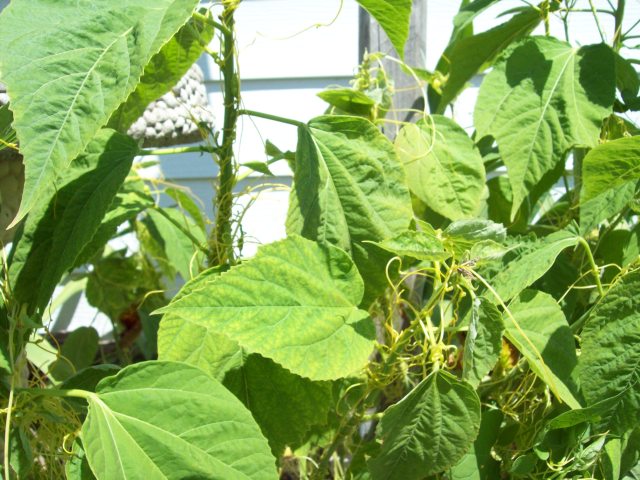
(373, 39)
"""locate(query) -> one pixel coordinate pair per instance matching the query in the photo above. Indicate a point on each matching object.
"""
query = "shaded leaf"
(478, 463)
(284, 405)
(78, 352)
(56, 231)
(428, 430)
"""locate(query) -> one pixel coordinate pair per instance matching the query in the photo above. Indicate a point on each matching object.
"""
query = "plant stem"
(221, 240)
(619, 16)
(594, 268)
(177, 150)
(208, 19)
(597, 20)
(268, 116)
(56, 392)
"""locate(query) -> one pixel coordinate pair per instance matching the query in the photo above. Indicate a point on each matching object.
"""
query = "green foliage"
(74, 68)
(446, 304)
(169, 420)
(542, 99)
(444, 169)
(429, 430)
(260, 303)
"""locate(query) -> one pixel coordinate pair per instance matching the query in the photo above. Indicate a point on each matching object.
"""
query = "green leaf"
(592, 414)
(78, 352)
(178, 249)
(531, 265)
(627, 79)
(284, 405)
(444, 169)
(68, 67)
(420, 245)
(131, 199)
(483, 344)
(57, 230)
(610, 360)
(540, 101)
(164, 71)
(394, 17)
(349, 187)
(428, 430)
(478, 463)
(467, 56)
(295, 302)
(165, 420)
(189, 205)
(605, 205)
(538, 329)
(348, 100)
(197, 345)
(77, 468)
(88, 378)
(610, 166)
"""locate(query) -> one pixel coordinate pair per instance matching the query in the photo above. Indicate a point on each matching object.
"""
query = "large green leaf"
(295, 302)
(609, 166)
(165, 70)
(421, 245)
(537, 327)
(467, 56)
(540, 101)
(165, 420)
(349, 188)
(444, 169)
(428, 430)
(532, 264)
(285, 405)
(56, 231)
(483, 343)
(610, 360)
(68, 66)
(394, 17)
(198, 345)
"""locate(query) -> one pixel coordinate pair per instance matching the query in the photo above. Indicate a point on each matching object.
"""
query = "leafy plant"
(445, 305)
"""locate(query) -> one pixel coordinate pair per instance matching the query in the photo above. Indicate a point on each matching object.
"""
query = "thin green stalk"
(221, 240)
(184, 230)
(268, 116)
(208, 19)
(594, 268)
(597, 20)
(619, 16)
(177, 150)
(7, 426)
(56, 392)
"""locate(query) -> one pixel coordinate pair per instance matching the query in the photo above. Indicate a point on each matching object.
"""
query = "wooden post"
(373, 39)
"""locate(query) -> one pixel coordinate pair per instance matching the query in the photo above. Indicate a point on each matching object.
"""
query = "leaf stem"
(594, 267)
(275, 118)
(56, 392)
(177, 150)
(208, 19)
(619, 16)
